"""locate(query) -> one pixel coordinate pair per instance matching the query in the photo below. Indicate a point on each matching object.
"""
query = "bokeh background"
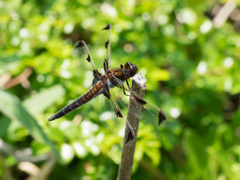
(187, 50)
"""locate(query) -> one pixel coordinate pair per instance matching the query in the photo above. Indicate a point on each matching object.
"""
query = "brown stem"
(133, 116)
(22, 78)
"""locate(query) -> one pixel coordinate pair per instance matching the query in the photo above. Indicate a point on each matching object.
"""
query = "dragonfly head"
(132, 68)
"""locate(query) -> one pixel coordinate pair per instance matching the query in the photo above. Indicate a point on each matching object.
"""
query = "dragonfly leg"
(124, 91)
(131, 88)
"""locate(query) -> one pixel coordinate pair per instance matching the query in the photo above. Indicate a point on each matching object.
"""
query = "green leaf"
(196, 154)
(12, 108)
(159, 75)
(9, 63)
(4, 124)
(226, 164)
(40, 102)
(168, 140)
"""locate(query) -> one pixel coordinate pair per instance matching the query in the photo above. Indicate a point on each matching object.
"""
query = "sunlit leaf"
(41, 101)
(196, 154)
(12, 108)
(4, 124)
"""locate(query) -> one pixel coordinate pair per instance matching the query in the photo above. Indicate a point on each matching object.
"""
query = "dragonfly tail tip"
(51, 118)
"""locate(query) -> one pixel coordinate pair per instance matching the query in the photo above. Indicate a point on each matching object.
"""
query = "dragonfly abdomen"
(78, 102)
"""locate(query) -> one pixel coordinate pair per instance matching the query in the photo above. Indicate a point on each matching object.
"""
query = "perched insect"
(107, 79)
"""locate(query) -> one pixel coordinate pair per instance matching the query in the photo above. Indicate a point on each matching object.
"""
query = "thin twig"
(133, 116)
(22, 78)
(224, 13)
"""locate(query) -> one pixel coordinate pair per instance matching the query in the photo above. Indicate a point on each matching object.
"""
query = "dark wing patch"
(105, 65)
(96, 75)
(130, 136)
(140, 101)
(88, 58)
(79, 44)
(107, 27)
(161, 117)
(106, 91)
(119, 114)
(106, 44)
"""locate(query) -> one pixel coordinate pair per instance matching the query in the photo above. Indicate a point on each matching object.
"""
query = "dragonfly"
(106, 79)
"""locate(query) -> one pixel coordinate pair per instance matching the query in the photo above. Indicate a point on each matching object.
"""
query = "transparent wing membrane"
(119, 112)
(102, 51)
(106, 111)
(84, 63)
(150, 114)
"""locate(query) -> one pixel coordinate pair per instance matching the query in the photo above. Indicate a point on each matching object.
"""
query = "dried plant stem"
(133, 116)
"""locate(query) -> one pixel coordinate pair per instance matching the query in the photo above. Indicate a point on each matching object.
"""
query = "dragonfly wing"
(106, 111)
(151, 114)
(83, 61)
(115, 105)
(102, 50)
(107, 105)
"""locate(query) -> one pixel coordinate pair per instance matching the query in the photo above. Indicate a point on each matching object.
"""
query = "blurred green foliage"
(192, 72)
